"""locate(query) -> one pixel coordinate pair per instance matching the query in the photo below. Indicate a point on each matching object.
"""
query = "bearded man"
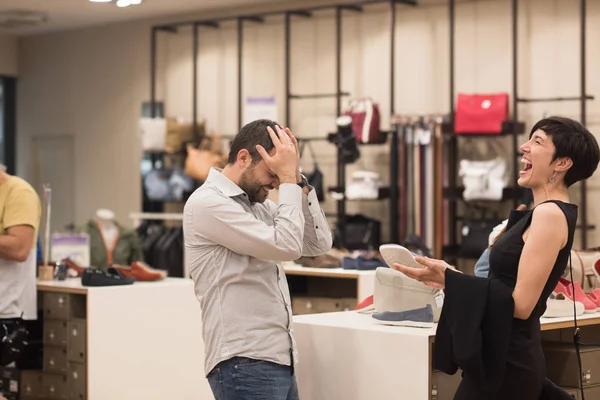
(235, 242)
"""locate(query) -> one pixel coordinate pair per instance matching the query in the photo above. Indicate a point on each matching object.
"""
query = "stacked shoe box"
(563, 369)
(63, 376)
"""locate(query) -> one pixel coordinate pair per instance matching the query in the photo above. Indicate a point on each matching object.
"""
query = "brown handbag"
(179, 135)
(200, 160)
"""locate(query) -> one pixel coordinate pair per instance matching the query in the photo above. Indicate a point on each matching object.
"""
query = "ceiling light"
(123, 3)
(135, 2)
(100, 1)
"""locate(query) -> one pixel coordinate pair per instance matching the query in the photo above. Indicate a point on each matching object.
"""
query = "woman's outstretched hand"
(432, 274)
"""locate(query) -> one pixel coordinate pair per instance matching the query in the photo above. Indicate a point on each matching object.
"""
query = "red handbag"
(480, 113)
(365, 120)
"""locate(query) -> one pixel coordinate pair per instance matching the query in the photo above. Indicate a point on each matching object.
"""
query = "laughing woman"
(490, 327)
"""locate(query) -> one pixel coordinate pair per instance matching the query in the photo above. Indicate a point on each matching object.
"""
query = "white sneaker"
(394, 253)
(396, 292)
(558, 305)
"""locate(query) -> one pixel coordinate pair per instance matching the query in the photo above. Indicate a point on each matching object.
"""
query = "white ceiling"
(69, 14)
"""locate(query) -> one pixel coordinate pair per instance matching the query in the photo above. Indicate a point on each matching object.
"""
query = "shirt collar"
(223, 183)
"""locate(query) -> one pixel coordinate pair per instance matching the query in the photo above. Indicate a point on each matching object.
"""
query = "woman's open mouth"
(526, 167)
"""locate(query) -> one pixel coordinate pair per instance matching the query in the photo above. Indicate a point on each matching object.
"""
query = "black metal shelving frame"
(307, 12)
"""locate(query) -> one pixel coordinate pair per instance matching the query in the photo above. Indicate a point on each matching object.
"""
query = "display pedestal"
(141, 341)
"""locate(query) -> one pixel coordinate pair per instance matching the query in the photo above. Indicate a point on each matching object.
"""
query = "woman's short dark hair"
(571, 139)
(252, 134)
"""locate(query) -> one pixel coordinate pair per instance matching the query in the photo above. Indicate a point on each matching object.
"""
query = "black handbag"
(475, 235)
(315, 178)
(345, 140)
(361, 233)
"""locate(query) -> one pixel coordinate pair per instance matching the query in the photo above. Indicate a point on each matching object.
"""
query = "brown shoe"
(141, 271)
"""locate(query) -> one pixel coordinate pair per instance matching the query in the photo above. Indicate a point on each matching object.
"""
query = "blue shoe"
(419, 317)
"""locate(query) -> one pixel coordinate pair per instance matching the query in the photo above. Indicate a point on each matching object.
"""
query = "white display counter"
(347, 355)
(140, 341)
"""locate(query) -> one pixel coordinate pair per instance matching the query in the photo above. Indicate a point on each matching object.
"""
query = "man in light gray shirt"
(235, 241)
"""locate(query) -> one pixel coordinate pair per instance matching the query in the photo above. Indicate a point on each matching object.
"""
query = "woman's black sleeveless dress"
(525, 364)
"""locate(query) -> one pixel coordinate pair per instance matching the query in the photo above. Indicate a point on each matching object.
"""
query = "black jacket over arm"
(473, 332)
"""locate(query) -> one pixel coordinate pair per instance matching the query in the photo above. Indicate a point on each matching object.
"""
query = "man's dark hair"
(574, 141)
(252, 134)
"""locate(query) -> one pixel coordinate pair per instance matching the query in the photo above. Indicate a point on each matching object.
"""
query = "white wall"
(9, 64)
(90, 83)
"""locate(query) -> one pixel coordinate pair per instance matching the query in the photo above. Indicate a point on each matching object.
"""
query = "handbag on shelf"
(483, 180)
(168, 185)
(200, 160)
(475, 234)
(179, 135)
(362, 233)
(314, 178)
(480, 113)
(345, 140)
(365, 120)
(152, 133)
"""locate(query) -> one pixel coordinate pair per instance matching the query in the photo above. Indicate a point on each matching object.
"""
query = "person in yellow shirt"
(20, 214)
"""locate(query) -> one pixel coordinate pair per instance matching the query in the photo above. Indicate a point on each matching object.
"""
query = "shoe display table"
(347, 355)
(140, 341)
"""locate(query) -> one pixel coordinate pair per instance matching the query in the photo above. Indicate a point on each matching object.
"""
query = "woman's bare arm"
(547, 235)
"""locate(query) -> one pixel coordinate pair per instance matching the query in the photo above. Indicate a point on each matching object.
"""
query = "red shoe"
(594, 295)
(73, 265)
(141, 271)
(366, 305)
(564, 286)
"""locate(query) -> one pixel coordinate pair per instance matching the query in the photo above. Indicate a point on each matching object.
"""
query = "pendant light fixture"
(120, 3)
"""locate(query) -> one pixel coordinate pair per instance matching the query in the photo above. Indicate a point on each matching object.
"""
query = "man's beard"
(253, 189)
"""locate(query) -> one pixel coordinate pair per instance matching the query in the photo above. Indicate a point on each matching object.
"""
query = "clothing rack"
(162, 244)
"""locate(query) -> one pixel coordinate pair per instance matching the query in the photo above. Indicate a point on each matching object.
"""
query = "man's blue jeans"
(243, 378)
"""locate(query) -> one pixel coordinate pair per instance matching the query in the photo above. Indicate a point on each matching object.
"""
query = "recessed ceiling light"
(100, 1)
(135, 2)
(123, 3)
